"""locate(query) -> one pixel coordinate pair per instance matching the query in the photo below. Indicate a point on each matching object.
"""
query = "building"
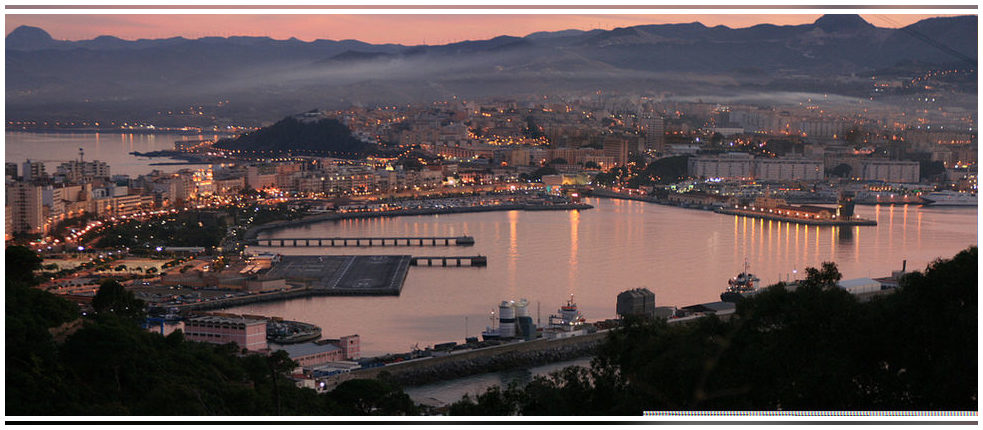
(726, 166)
(636, 302)
(10, 170)
(33, 170)
(76, 171)
(316, 353)
(655, 133)
(25, 201)
(889, 171)
(247, 332)
(788, 169)
(616, 148)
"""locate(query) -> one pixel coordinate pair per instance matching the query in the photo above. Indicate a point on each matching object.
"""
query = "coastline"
(116, 131)
(253, 233)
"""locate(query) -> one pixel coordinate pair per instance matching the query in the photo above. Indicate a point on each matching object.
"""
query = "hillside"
(299, 136)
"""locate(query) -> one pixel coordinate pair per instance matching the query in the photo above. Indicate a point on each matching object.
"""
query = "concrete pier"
(365, 241)
(473, 260)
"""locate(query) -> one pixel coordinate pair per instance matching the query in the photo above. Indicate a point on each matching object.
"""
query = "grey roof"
(859, 282)
(305, 349)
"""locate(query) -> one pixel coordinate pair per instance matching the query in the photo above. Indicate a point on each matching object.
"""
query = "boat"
(740, 285)
(949, 198)
(868, 197)
(568, 323)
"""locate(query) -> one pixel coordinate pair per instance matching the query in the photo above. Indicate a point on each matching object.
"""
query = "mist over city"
(772, 214)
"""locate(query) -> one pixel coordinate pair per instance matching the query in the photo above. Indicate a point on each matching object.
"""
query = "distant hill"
(300, 136)
(264, 78)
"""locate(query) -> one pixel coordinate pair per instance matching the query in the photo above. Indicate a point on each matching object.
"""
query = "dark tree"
(113, 298)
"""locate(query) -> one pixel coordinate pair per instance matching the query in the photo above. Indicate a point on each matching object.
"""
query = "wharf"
(474, 260)
(366, 241)
(253, 233)
(819, 222)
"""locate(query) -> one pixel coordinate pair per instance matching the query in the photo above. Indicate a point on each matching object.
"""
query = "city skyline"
(405, 29)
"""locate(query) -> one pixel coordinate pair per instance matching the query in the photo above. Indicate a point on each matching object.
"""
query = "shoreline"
(725, 211)
(116, 131)
(253, 233)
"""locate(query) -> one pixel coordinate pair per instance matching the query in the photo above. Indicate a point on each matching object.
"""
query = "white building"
(889, 171)
(726, 166)
(788, 169)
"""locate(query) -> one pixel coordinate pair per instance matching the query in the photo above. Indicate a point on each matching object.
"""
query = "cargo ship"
(740, 285)
(568, 323)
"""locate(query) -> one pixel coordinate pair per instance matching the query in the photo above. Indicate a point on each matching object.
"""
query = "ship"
(568, 323)
(868, 197)
(949, 198)
(740, 285)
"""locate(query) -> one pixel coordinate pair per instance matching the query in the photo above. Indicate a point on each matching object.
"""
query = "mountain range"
(262, 78)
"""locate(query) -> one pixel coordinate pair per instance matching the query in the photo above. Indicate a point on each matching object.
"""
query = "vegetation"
(811, 348)
(814, 348)
(109, 365)
(633, 175)
(191, 228)
(323, 137)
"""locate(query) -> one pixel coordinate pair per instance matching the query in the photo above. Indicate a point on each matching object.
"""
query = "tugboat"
(740, 285)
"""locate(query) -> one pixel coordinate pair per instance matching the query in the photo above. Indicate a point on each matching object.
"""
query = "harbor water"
(684, 256)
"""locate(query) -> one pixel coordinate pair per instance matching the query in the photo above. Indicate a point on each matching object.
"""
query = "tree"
(592, 165)
(112, 298)
(825, 279)
(21, 264)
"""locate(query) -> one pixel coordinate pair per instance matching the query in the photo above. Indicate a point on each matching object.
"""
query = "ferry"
(740, 285)
(949, 198)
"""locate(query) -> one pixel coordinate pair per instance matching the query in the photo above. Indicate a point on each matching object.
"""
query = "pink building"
(247, 332)
(312, 354)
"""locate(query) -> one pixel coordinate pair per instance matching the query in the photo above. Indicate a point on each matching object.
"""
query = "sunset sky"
(409, 29)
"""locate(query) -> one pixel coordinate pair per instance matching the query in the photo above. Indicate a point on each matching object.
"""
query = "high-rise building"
(655, 133)
(26, 207)
(33, 170)
(616, 148)
(10, 169)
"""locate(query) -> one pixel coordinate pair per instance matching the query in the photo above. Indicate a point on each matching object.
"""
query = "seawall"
(253, 233)
(490, 359)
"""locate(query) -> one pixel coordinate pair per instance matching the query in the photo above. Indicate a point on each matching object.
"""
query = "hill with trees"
(291, 135)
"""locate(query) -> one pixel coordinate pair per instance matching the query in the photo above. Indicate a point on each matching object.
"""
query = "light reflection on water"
(684, 256)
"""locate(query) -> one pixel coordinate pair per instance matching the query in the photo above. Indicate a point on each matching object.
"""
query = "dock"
(473, 260)
(366, 241)
(798, 220)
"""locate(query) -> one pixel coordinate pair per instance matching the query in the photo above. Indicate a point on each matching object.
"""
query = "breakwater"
(797, 220)
(490, 359)
(254, 232)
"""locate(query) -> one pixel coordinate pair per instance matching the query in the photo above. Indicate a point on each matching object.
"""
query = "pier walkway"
(366, 241)
(475, 260)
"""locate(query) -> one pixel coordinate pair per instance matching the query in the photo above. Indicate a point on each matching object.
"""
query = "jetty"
(474, 260)
(365, 241)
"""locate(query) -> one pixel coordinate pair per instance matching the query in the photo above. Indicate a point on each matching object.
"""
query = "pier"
(475, 261)
(366, 241)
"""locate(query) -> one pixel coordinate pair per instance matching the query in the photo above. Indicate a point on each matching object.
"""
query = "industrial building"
(247, 332)
(636, 302)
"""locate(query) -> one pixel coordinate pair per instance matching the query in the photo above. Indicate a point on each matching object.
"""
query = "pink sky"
(406, 29)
